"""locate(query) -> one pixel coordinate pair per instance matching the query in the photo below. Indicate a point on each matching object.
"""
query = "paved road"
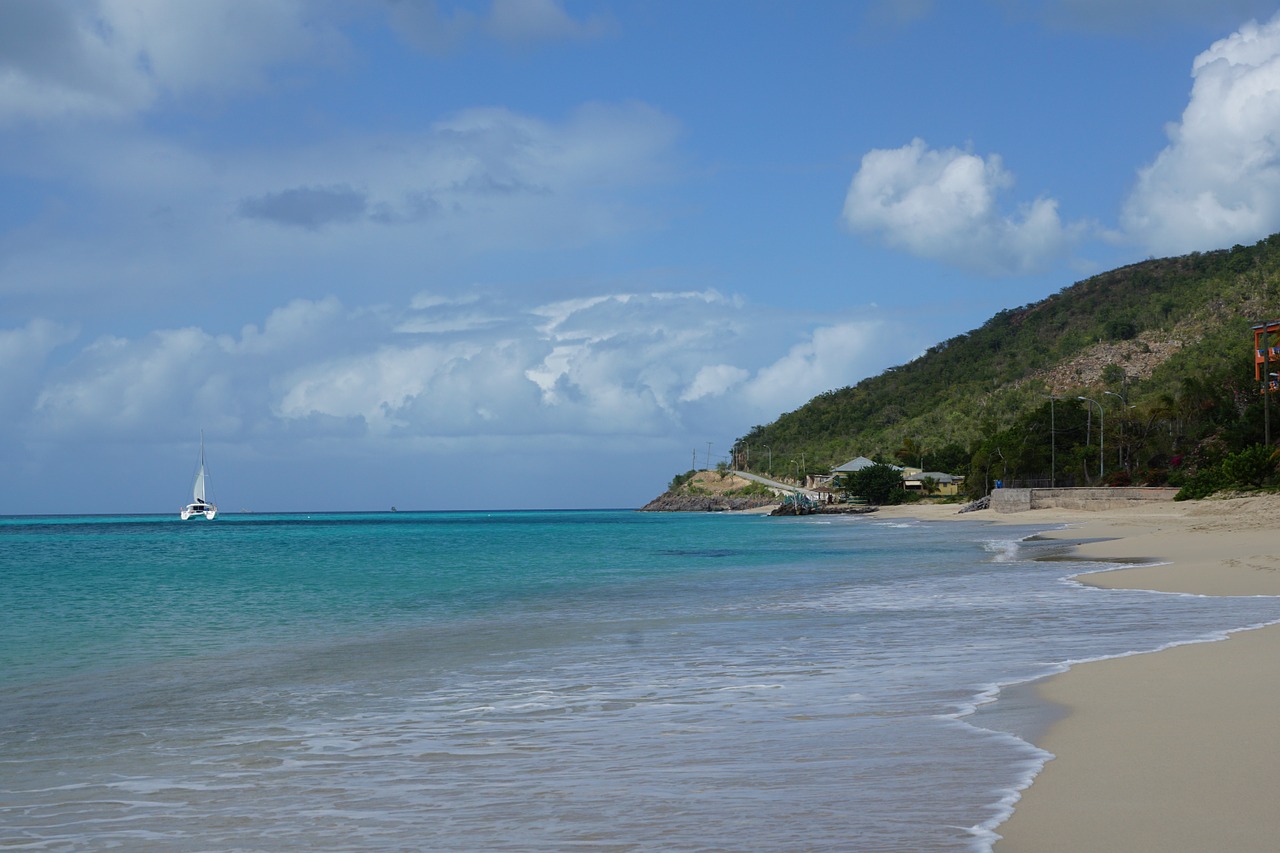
(774, 484)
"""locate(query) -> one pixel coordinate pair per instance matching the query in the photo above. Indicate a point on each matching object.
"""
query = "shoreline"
(1172, 750)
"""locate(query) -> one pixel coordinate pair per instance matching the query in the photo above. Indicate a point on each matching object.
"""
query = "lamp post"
(1102, 437)
(1120, 444)
(770, 468)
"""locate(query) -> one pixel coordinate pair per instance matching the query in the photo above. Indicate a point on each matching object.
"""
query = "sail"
(198, 491)
(199, 506)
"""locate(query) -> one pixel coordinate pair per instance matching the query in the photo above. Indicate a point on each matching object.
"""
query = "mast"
(198, 491)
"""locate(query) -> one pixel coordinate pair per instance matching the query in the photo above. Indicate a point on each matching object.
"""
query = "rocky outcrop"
(706, 503)
(824, 509)
(1138, 358)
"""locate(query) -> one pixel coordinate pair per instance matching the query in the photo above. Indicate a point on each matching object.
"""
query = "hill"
(1162, 349)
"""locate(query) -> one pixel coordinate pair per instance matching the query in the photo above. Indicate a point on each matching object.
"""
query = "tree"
(879, 484)
(911, 452)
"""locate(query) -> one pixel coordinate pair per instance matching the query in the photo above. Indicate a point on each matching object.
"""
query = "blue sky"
(539, 253)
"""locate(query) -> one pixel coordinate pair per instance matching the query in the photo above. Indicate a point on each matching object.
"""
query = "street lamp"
(766, 447)
(1102, 437)
(1120, 449)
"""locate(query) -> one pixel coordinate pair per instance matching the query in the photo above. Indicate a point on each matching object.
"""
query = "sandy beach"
(1177, 750)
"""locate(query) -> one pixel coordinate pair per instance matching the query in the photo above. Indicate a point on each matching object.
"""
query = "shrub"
(1253, 466)
(680, 479)
(1119, 477)
(1201, 484)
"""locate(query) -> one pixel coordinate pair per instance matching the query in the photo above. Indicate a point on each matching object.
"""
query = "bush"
(1253, 466)
(1119, 477)
(1201, 484)
(680, 479)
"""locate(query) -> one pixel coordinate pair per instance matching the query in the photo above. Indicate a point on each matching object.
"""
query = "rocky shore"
(707, 503)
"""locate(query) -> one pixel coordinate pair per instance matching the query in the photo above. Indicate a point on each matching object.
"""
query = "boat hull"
(197, 510)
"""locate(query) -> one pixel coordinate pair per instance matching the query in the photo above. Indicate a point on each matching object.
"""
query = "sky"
(509, 254)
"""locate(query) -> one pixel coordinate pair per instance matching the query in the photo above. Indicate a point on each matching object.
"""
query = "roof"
(857, 465)
(937, 476)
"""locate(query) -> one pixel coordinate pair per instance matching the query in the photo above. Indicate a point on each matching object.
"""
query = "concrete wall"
(1021, 500)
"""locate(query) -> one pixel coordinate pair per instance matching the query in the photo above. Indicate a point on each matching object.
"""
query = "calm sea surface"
(536, 681)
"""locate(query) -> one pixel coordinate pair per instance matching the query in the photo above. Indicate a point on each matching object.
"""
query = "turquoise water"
(534, 680)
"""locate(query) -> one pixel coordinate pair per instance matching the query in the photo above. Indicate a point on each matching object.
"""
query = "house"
(912, 478)
(947, 484)
(827, 482)
(855, 465)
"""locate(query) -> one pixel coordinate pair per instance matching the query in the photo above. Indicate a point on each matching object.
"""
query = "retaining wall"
(1021, 500)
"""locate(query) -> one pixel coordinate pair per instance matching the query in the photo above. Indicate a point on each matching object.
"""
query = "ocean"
(539, 681)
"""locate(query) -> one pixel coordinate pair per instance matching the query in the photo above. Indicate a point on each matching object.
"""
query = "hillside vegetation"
(1163, 347)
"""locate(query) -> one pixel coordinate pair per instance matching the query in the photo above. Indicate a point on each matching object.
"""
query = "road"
(774, 484)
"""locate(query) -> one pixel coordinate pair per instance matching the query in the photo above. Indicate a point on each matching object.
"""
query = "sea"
(540, 681)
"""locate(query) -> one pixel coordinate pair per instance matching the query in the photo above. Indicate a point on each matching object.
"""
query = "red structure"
(1266, 354)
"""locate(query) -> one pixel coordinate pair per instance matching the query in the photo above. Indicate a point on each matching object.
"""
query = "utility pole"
(1266, 384)
(708, 456)
(1053, 447)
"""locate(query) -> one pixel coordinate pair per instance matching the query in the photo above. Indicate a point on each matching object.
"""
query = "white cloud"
(24, 354)
(117, 385)
(113, 58)
(833, 357)
(640, 364)
(1218, 181)
(943, 205)
(714, 380)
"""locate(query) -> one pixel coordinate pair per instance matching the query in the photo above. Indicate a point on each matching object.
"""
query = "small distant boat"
(199, 504)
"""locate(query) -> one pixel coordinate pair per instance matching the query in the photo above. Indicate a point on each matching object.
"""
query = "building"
(946, 485)
(1266, 354)
(913, 479)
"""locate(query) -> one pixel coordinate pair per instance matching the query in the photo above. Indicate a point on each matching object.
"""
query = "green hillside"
(1163, 346)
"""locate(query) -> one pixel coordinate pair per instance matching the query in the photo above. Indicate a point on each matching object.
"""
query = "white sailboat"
(199, 505)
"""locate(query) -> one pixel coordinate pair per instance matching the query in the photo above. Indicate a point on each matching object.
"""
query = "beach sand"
(1178, 750)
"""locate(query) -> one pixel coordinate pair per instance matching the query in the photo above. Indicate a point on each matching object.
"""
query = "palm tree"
(911, 450)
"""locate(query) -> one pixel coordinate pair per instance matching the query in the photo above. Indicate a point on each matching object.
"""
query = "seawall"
(1022, 500)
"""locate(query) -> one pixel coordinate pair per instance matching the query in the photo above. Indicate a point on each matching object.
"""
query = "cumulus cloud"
(113, 58)
(118, 385)
(832, 357)
(24, 353)
(650, 364)
(714, 380)
(1218, 180)
(943, 205)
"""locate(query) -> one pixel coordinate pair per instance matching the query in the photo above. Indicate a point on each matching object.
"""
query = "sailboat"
(199, 505)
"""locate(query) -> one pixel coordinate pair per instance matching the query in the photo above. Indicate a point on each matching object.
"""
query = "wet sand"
(1178, 750)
